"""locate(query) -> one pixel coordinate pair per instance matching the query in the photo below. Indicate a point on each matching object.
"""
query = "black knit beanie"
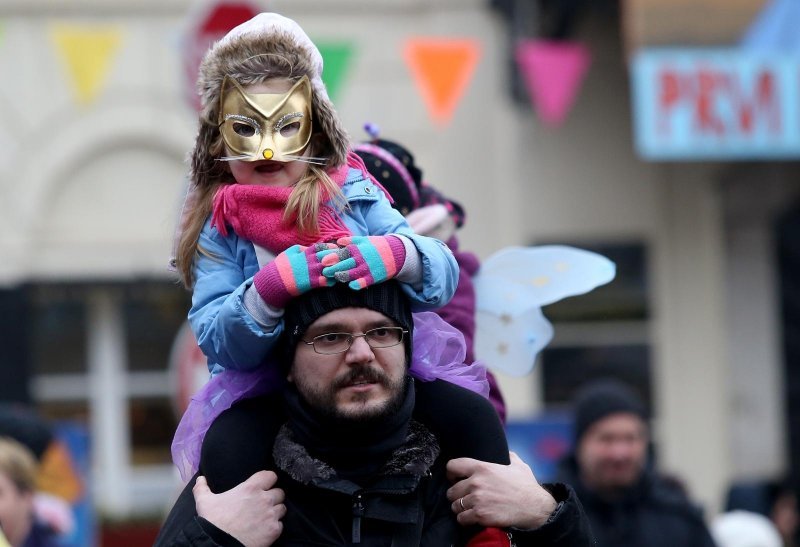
(603, 398)
(386, 298)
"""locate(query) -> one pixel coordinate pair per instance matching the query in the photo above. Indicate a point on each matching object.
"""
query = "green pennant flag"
(336, 58)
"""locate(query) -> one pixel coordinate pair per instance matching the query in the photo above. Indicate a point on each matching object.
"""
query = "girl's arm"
(430, 274)
(228, 334)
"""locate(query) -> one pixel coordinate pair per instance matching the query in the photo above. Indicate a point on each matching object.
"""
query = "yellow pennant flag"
(442, 68)
(86, 52)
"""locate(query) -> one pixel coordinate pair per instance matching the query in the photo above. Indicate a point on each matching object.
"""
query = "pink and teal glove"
(366, 260)
(295, 271)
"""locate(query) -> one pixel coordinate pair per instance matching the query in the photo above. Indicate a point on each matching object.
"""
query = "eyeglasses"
(339, 342)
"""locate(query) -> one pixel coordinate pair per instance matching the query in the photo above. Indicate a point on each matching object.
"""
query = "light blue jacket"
(230, 336)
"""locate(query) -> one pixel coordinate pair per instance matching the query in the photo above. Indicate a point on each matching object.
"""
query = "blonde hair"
(18, 463)
(253, 59)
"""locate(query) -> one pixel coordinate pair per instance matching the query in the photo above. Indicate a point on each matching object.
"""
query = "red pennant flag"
(207, 23)
(553, 73)
(442, 69)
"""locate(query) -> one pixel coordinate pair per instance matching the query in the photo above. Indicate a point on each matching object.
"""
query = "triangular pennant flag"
(553, 73)
(86, 52)
(442, 69)
(336, 60)
(207, 22)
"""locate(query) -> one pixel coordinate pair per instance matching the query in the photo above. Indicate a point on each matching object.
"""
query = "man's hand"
(251, 512)
(491, 494)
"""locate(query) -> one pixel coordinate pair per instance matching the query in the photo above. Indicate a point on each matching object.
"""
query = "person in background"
(17, 486)
(430, 214)
(58, 483)
(628, 503)
(774, 499)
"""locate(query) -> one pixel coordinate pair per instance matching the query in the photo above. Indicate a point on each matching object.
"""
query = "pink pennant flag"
(553, 73)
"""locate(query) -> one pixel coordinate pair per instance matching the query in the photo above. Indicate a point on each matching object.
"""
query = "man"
(352, 465)
(628, 504)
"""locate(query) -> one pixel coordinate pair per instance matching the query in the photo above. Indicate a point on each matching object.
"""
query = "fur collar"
(414, 457)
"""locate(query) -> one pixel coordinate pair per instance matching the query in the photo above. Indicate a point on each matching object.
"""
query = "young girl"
(279, 206)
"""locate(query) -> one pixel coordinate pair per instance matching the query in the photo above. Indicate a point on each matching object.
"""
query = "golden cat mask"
(271, 126)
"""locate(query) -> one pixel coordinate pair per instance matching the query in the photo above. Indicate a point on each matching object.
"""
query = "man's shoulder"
(670, 496)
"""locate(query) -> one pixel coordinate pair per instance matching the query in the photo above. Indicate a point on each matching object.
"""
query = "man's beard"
(324, 401)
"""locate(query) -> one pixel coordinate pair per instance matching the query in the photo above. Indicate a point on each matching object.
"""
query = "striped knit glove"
(295, 271)
(367, 260)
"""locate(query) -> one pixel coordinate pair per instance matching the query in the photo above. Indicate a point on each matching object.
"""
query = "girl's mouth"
(269, 167)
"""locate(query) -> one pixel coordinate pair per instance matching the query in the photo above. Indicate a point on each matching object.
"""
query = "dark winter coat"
(401, 502)
(406, 504)
(653, 513)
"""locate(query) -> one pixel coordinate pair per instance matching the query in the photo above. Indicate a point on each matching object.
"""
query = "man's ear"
(289, 378)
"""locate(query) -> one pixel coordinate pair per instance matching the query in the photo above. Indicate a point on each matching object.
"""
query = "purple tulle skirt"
(439, 351)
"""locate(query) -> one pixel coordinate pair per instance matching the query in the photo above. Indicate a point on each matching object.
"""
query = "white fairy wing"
(510, 344)
(512, 286)
(543, 274)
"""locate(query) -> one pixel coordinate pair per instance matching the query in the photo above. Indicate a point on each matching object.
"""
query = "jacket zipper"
(358, 512)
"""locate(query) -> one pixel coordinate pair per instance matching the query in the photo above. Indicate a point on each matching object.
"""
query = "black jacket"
(410, 508)
(568, 527)
(653, 513)
(403, 505)
(406, 505)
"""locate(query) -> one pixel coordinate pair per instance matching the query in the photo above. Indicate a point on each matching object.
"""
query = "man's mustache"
(365, 373)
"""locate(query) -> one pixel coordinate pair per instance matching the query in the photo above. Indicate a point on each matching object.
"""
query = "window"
(603, 333)
(151, 314)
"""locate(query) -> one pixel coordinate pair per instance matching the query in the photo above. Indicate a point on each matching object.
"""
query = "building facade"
(92, 170)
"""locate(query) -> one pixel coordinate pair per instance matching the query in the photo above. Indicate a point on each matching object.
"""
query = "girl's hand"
(295, 271)
(366, 260)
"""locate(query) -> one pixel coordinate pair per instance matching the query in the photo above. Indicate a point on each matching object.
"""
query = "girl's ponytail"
(310, 194)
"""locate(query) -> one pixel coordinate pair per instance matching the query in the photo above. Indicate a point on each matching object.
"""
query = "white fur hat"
(272, 23)
(267, 46)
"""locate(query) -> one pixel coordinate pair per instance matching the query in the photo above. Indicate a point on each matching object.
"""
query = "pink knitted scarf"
(256, 213)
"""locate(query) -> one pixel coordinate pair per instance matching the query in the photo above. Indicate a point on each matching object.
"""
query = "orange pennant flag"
(86, 53)
(442, 68)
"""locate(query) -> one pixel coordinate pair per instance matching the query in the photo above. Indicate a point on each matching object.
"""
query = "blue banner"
(706, 104)
(541, 442)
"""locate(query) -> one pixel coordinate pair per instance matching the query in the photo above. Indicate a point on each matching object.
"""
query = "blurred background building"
(668, 161)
